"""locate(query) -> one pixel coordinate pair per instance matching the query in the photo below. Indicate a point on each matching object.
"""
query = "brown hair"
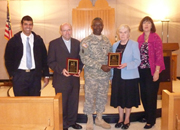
(147, 18)
(26, 18)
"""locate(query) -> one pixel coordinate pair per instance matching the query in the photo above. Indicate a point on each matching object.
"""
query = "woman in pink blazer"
(152, 63)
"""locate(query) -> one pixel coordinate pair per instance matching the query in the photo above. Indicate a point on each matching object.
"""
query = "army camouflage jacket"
(94, 54)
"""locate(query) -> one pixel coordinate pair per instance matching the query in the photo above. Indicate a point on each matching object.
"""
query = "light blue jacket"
(131, 56)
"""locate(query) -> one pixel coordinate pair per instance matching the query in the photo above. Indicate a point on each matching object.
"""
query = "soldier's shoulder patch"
(84, 45)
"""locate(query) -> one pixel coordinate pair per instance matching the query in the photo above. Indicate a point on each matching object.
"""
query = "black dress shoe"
(142, 120)
(148, 126)
(126, 126)
(76, 126)
(65, 128)
(119, 125)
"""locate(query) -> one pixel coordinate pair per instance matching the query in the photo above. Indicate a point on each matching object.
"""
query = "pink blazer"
(155, 51)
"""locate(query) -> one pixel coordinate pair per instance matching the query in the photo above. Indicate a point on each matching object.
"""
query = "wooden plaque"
(114, 59)
(72, 66)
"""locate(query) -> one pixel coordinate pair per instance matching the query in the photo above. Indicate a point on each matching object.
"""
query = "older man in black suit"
(26, 60)
(59, 51)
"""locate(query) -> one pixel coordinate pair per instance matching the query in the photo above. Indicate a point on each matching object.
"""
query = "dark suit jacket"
(57, 57)
(14, 53)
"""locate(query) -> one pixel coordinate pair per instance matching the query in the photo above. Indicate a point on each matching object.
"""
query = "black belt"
(28, 70)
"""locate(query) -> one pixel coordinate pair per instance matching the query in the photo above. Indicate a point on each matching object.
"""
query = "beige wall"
(49, 14)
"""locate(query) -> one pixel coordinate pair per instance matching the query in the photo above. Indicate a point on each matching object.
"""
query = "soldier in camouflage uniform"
(93, 52)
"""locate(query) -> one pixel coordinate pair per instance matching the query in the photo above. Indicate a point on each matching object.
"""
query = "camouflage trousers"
(96, 89)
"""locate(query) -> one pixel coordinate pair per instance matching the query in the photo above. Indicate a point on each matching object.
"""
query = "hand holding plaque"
(114, 59)
(72, 66)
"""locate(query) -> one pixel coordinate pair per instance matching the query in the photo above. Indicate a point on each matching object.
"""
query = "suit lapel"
(72, 46)
(63, 46)
(35, 47)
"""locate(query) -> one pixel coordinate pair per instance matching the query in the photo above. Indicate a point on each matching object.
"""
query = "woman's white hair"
(122, 26)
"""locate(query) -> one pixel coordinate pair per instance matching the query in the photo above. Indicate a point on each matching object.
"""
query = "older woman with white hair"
(125, 91)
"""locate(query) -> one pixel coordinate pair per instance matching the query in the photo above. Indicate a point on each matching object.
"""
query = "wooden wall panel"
(83, 15)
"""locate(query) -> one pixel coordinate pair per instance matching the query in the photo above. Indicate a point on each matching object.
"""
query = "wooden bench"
(170, 111)
(31, 113)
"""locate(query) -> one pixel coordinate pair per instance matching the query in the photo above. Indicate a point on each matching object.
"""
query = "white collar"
(66, 40)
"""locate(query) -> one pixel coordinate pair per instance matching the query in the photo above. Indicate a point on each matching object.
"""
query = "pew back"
(35, 112)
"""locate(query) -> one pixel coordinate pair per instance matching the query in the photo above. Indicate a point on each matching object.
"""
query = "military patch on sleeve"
(82, 50)
(84, 45)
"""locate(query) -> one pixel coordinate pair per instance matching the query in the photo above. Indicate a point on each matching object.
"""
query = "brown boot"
(89, 125)
(100, 122)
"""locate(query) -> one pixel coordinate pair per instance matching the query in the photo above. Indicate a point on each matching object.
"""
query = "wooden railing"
(170, 111)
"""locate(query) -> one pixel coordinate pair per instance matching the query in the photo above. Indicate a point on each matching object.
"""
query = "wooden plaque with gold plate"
(114, 59)
(72, 66)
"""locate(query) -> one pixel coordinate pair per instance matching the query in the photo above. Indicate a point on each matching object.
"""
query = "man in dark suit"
(59, 51)
(26, 60)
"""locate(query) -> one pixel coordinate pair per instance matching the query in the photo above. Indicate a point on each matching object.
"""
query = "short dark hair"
(147, 18)
(97, 18)
(26, 18)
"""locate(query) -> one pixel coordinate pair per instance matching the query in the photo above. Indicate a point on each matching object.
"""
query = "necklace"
(146, 38)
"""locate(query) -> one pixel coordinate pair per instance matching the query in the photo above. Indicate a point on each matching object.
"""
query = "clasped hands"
(122, 66)
(106, 68)
(66, 73)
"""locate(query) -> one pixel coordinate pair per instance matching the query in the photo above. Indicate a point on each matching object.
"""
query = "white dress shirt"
(68, 44)
(23, 65)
